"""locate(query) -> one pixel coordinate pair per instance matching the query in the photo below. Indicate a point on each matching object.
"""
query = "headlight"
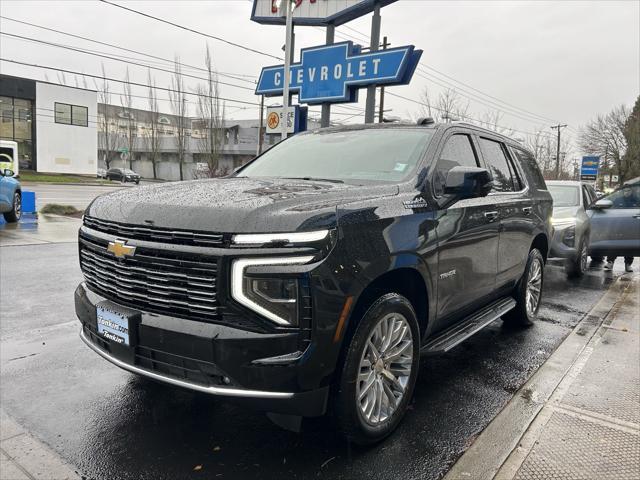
(295, 237)
(272, 297)
(569, 236)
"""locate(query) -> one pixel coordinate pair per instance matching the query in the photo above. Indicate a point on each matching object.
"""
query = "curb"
(494, 445)
(30, 184)
(22, 456)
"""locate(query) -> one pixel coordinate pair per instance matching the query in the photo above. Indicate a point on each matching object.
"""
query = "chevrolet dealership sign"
(314, 12)
(334, 73)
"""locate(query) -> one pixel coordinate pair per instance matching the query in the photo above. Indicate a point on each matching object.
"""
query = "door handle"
(527, 210)
(636, 216)
(491, 215)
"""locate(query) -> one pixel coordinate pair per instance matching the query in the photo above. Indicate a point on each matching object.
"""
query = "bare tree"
(126, 100)
(152, 134)
(491, 120)
(604, 137)
(211, 112)
(109, 140)
(178, 99)
(544, 148)
(448, 107)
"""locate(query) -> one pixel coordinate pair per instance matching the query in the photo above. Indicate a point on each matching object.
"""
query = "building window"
(71, 114)
(79, 116)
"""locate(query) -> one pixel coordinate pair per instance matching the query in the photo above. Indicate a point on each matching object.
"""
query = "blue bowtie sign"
(334, 73)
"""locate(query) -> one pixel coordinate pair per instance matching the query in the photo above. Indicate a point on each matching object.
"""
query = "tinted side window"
(529, 165)
(494, 155)
(626, 197)
(458, 151)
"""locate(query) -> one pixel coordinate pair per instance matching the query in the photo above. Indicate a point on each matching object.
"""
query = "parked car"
(10, 196)
(101, 173)
(319, 272)
(571, 223)
(615, 223)
(123, 175)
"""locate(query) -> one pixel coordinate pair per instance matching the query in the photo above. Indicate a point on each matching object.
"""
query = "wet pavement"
(111, 424)
(78, 196)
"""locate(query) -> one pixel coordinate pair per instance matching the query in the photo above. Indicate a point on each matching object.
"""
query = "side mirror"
(602, 204)
(468, 182)
(7, 172)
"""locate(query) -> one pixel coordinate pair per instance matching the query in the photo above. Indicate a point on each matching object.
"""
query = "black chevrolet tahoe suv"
(314, 278)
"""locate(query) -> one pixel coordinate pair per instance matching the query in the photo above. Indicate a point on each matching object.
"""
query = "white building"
(54, 125)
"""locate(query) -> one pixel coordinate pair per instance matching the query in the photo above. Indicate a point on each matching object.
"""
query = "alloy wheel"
(385, 369)
(17, 205)
(584, 259)
(534, 287)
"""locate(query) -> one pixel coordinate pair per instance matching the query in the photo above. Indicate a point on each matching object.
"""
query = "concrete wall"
(65, 148)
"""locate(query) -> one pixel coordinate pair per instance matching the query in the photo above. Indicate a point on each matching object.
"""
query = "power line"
(188, 29)
(475, 98)
(467, 117)
(66, 47)
(514, 108)
(171, 90)
(543, 118)
(236, 76)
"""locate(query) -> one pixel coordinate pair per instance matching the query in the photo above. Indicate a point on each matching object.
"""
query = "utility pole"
(381, 112)
(288, 11)
(260, 133)
(325, 116)
(558, 127)
(369, 113)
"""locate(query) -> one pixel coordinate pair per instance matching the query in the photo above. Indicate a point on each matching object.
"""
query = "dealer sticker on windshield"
(112, 325)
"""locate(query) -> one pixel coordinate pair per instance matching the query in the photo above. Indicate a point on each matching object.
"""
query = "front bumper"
(216, 359)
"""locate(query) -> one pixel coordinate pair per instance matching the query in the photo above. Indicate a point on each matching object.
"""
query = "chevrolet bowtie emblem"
(120, 250)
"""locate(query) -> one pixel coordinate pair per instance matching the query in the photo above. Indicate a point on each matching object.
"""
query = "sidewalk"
(22, 457)
(588, 426)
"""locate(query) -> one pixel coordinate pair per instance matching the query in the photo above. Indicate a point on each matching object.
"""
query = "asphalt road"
(113, 425)
(78, 196)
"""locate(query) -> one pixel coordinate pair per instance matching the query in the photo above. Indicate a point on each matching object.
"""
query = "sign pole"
(287, 67)
(325, 116)
(381, 110)
(370, 108)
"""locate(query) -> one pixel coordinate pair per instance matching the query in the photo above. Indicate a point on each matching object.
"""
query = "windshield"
(129, 172)
(564, 195)
(388, 155)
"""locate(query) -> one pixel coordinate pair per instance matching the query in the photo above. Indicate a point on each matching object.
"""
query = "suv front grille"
(167, 282)
(154, 234)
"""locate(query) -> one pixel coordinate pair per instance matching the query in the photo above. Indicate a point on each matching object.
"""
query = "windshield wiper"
(332, 180)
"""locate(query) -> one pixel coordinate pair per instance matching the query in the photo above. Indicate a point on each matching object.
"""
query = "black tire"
(576, 267)
(521, 315)
(351, 420)
(14, 215)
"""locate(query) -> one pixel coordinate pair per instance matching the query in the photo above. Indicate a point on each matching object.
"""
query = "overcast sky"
(566, 61)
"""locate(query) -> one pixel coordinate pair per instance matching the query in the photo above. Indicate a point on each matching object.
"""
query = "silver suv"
(571, 223)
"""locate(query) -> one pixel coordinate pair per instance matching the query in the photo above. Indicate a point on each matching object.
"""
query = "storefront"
(62, 118)
(17, 114)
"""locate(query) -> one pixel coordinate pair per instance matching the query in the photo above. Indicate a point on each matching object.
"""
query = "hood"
(565, 212)
(234, 205)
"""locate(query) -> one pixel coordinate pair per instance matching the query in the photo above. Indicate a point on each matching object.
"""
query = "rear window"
(530, 166)
(504, 176)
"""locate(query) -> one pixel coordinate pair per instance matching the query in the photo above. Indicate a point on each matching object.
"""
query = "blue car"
(10, 196)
